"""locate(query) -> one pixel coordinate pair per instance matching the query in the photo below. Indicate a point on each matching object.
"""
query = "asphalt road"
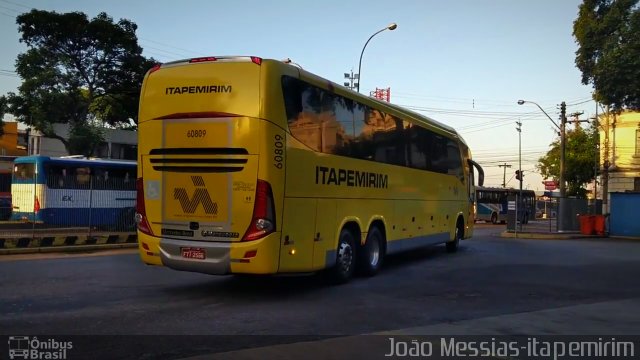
(115, 294)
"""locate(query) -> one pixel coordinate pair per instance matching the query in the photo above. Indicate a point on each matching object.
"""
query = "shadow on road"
(248, 288)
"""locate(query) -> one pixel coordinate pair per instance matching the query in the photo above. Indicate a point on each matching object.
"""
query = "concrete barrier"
(68, 242)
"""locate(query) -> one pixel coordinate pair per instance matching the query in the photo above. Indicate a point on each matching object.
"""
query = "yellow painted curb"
(72, 248)
(45, 242)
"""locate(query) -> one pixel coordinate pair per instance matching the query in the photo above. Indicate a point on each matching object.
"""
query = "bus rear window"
(24, 172)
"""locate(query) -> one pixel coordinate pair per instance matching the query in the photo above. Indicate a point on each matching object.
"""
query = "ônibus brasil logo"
(32, 348)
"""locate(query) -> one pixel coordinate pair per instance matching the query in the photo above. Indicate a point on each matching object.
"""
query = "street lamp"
(391, 26)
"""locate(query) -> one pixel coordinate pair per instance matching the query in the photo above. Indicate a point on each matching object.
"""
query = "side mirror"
(480, 171)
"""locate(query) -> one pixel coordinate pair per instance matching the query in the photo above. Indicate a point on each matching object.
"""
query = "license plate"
(193, 253)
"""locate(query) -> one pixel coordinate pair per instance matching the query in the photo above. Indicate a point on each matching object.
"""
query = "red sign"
(550, 184)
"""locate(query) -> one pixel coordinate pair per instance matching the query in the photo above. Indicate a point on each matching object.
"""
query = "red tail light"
(155, 68)
(36, 205)
(141, 212)
(256, 60)
(203, 59)
(263, 221)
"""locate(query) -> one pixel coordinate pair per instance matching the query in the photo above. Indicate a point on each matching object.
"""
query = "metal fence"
(70, 204)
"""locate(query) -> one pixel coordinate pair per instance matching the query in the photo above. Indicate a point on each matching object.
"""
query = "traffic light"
(519, 174)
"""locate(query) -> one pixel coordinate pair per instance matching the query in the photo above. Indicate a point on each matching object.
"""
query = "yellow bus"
(254, 166)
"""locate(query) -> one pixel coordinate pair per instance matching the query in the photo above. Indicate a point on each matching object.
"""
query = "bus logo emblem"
(200, 196)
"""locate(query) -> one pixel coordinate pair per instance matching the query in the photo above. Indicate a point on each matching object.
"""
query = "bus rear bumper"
(196, 256)
(222, 258)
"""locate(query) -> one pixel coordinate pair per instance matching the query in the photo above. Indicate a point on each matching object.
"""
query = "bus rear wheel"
(344, 267)
(494, 218)
(372, 253)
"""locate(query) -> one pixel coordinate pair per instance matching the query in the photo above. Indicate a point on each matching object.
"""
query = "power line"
(16, 4)
(10, 9)
(169, 46)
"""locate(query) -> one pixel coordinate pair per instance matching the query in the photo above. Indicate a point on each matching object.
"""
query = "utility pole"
(504, 176)
(576, 119)
(563, 140)
(519, 202)
(605, 166)
(596, 126)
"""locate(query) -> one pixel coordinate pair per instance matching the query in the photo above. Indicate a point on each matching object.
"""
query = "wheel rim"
(374, 252)
(345, 257)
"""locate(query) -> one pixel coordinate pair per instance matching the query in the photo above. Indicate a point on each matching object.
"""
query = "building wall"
(620, 151)
(119, 144)
(9, 141)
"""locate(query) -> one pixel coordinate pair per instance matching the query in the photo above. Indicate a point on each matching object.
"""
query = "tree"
(580, 159)
(80, 72)
(608, 36)
(3, 110)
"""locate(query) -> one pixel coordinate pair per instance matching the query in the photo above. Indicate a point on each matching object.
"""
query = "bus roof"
(74, 161)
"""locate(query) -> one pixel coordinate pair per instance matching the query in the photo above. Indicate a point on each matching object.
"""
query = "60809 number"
(196, 133)
(278, 151)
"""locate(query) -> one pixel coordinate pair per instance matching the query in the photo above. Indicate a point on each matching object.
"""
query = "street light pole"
(391, 26)
(561, 127)
(519, 202)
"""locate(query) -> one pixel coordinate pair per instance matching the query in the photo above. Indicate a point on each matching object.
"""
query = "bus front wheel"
(343, 269)
(452, 246)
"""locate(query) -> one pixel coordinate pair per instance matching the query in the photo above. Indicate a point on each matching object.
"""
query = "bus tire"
(344, 267)
(371, 255)
(494, 218)
(452, 246)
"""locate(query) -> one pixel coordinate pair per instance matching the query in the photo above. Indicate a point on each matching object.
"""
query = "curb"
(67, 249)
(67, 243)
(549, 236)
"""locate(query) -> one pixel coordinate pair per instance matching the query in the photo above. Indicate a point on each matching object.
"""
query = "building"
(620, 153)
(10, 144)
(118, 144)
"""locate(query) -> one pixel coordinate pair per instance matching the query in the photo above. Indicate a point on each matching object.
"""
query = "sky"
(465, 63)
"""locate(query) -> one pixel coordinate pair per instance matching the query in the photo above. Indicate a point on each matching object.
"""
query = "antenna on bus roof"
(288, 61)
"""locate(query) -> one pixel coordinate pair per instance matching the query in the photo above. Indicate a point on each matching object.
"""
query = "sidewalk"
(613, 318)
(545, 229)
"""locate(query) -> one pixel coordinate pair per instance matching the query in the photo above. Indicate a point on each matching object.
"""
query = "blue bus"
(74, 191)
(492, 204)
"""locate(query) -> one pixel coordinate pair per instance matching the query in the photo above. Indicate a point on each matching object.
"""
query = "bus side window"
(83, 177)
(56, 176)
